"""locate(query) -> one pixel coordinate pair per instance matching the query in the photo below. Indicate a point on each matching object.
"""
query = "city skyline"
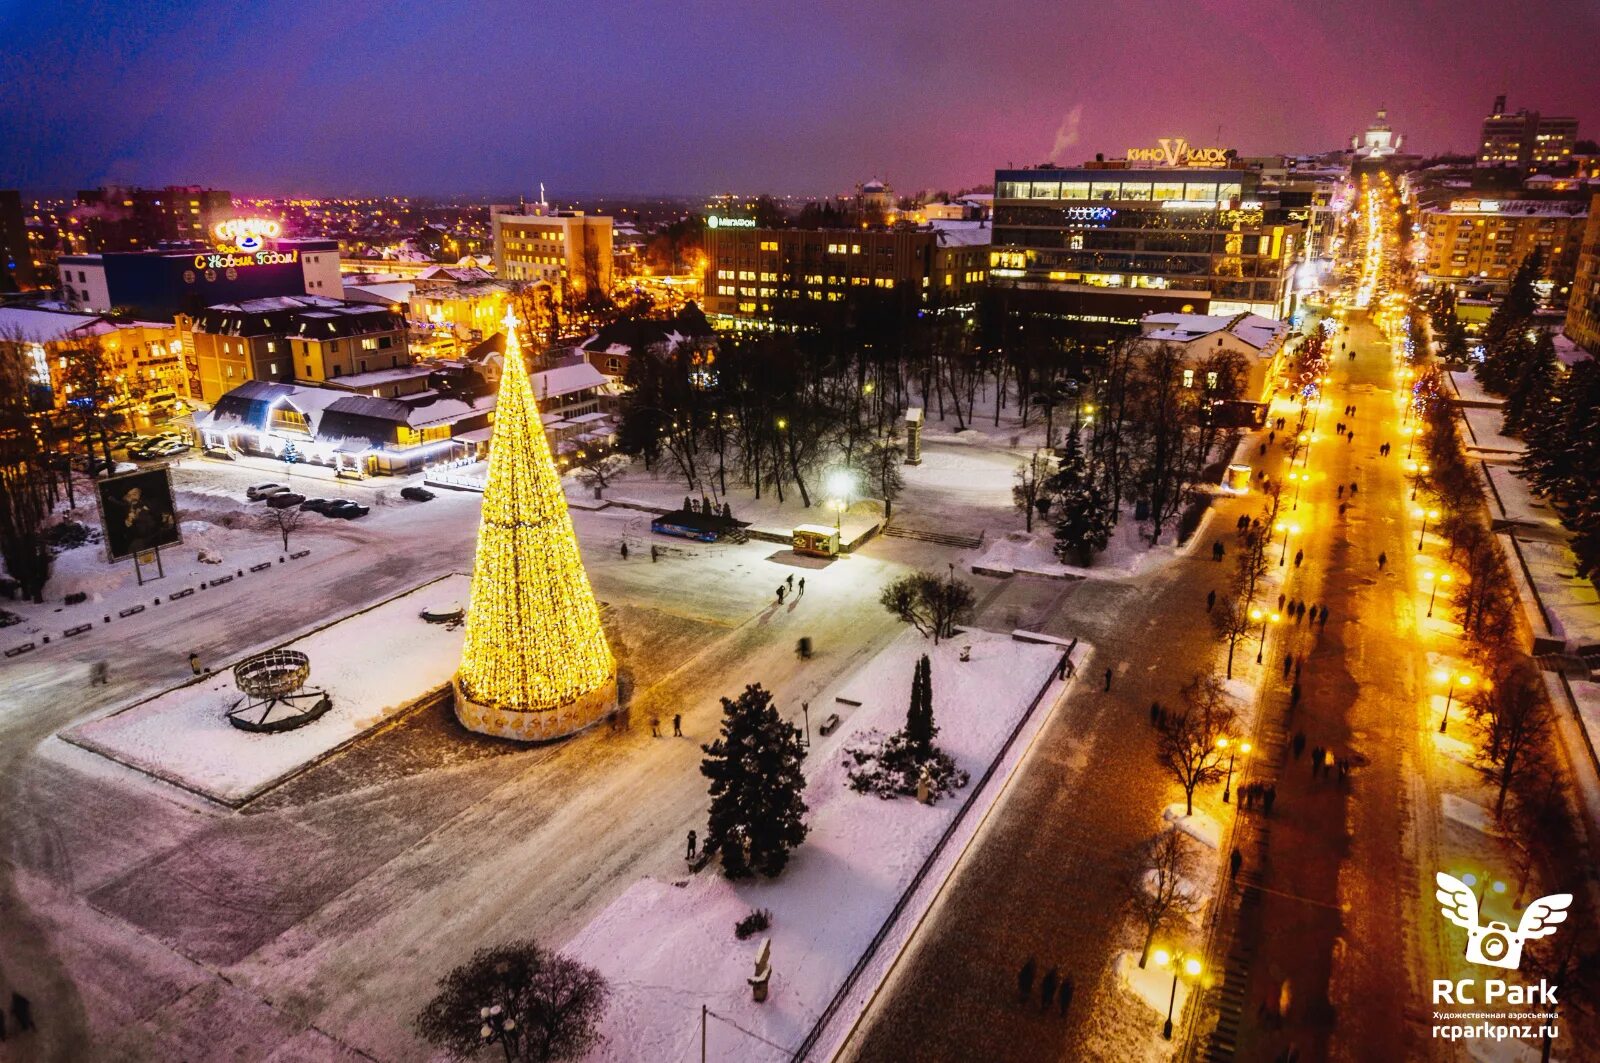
(718, 97)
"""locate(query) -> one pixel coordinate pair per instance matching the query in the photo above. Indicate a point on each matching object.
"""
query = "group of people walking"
(1054, 988)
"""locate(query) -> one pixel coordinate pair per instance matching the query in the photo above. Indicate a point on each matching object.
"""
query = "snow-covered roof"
(375, 377)
(1568, 353)
(1253, 329)
(554, 383)
(962, 233)
(380, 292)
(49, 326)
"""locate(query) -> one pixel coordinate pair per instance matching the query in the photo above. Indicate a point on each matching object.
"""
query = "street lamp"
(1412, 432)
(1454, 680)
(1288, 530)
(1265, 618)
(1296, 478)
(840, 483)
(1434, 580)
(1425, 515)
(1180, 964)
(1417, 473)
(1242, 749)
(497, 1026)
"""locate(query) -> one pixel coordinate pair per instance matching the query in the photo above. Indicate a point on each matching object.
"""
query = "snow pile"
(1199, 826)
(668, 948)
(372, 664)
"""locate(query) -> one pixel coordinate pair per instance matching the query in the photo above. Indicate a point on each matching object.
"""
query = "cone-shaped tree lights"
(535, 665)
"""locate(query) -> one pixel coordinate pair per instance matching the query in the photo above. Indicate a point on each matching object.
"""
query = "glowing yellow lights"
(535, 663)
(1162, 957)
(1192, 967)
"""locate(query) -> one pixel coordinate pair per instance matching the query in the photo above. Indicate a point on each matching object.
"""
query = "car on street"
(345, 509)
(256, 492)
(416, 494)
(285, 500)
(316, 505)
(101, 467)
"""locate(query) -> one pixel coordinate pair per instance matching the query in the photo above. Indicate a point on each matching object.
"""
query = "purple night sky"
(292, 96)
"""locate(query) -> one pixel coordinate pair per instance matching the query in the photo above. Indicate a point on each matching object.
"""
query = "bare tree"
(550, 1005)
(283, 520)
(598, 470)
(1159, 892)
(1029, 489)
(1187, 746)
(88, 383)
(1230, 620)
(880, 462)
(929, 602)
(1513, 720)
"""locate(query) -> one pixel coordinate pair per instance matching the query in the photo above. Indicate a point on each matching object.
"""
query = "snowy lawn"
(1484, 432)
(373, 664)
(669, 947)
(1126, 555)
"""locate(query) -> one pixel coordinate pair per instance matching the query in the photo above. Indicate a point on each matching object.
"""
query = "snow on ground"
(1516, 500)
(1573, 604)
(1467, 386)
(1152, 984)
(1469, 813)
(1454, 748)
(1126, 554)
(1199, 826)
(668, 947)
(372, 664)
(1484, 434)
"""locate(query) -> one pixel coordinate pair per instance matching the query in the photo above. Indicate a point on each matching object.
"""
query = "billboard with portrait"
(137, 512)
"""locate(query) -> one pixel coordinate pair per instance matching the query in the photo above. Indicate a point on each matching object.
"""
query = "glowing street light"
(1425, 515)
(839, 485)
(1265, 618)
(1297, 478)
(1434, 580)
(1453, 680)
(1288, 530)
(1181, 964)
(1417, 473)
(1241, 749)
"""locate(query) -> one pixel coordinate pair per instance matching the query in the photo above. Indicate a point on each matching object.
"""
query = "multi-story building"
(1107, 244)
(568, 250)
(133, 219)
(775, 274)
(296, 338)
(1478, 243)
(1257, 341)
(141, 358)
(1583, 310)
(16, 256)
(1525, 139)
(162, 283)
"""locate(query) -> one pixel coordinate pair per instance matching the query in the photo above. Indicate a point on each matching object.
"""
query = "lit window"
(1188, 378)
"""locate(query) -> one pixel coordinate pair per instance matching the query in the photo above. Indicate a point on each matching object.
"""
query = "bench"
(829, 725)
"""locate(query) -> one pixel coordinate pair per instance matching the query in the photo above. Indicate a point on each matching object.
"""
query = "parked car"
(256, 492)
(317, 505)
(345, 509)
(285, 499)
(99, 467)
(416, 494)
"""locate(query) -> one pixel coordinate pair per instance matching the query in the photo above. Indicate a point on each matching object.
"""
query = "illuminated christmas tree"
(535, 665)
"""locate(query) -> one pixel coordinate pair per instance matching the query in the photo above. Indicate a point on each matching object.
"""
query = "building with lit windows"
(567, 250)
(16, 255)
(1108, 243)
(142, 358)
(1583, 311)
(1525, 139)
(134, 219)
(289, 338)
(1257, 341)
(162, 283)
(774, 275)
(1478, 243)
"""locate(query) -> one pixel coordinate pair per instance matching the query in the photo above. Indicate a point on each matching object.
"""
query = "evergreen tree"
(1563, 457)
(757, 805)
(920, 728)
(1532, 383)
(1084, 515)
(1508, 325)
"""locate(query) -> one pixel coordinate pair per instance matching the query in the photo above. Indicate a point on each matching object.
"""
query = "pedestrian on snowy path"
(1383, 559)
(1322, 620)
(802, 585)
(1216, 550)
(99, 674)
(1211, 599)
(790, 581)
(1047, 990)
(22, 1011)
(655, 727)
(1288, 663)
(1268, 796)
(1064, 994)
(1108, 680)
(1299, 744)
(194, 663)
(1299, 556)
(782, 590)
(677, 725)
(1025, 978)
(1234, 860)
(654, 553)
(1354, 487)
(1350, 437)
(1294, 694)
(693, 841)
(1155, 711)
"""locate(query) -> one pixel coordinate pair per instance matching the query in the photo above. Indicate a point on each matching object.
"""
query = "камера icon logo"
(1497, 945)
